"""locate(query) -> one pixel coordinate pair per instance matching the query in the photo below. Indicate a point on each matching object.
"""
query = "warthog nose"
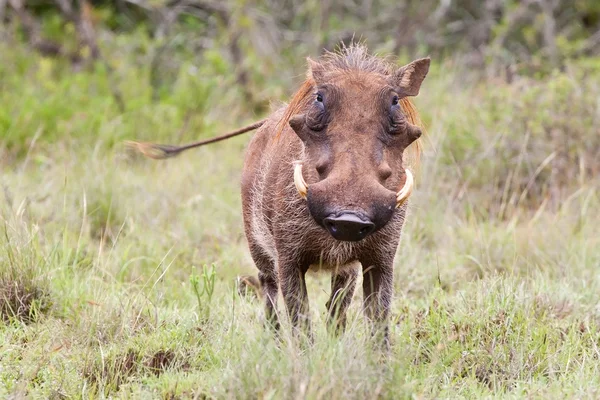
(348, 227)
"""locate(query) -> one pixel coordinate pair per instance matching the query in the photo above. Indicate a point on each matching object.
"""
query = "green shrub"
(527, 142)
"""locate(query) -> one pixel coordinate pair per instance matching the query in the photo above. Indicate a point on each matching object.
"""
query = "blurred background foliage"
(512, 102)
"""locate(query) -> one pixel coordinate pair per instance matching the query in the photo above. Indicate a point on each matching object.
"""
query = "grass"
(106, 288)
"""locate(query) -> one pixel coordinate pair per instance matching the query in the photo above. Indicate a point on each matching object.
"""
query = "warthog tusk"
(401, 196)
(406, 190)
(299, 181)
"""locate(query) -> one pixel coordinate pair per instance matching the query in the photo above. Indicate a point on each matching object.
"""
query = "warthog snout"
(349, 226)
(350, 209)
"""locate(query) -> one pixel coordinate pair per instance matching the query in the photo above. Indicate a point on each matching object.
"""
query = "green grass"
(496, 281)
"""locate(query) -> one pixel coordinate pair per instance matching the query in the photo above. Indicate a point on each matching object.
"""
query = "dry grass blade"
(22, 300)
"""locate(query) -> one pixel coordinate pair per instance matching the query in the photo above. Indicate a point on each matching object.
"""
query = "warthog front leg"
(377, 290)
(342, 290)
(267, 276)
(293, 287)
(268, 284)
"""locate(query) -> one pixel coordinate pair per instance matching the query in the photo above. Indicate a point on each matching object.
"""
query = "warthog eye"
(317, 116)
(396, 117)
(319, 101)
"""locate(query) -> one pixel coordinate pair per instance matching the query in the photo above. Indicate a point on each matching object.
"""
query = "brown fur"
(356, 59)
(353, 163)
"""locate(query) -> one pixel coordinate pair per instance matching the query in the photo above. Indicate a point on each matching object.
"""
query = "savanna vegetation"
(118, 273)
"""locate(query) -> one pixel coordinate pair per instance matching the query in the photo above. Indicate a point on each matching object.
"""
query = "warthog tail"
(162, 151)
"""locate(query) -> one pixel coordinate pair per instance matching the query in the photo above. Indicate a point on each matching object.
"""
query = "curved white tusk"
(299, 181)
(406, 190)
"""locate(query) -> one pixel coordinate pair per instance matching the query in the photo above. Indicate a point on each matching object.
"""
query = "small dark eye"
(395, 101)
(319, 101)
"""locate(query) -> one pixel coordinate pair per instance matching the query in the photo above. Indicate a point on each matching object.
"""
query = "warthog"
(324, 185)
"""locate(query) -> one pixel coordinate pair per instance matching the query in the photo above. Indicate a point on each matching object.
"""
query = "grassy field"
(117, 274)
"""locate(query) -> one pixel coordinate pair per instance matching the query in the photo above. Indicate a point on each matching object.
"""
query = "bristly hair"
(354, 57)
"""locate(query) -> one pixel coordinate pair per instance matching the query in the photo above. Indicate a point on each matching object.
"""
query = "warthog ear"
(408, 79)
(315, 70)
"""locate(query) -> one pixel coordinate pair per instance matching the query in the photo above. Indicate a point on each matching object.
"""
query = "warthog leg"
(267, 276)
(342, 290)
(377, 291)
(293, 287)
(268, 284)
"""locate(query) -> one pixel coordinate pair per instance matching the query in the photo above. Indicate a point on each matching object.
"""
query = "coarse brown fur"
(353, 159)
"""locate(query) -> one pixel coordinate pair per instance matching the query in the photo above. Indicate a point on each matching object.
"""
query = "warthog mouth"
(401, 196)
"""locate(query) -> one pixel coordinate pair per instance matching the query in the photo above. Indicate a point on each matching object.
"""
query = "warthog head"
(355, 123)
